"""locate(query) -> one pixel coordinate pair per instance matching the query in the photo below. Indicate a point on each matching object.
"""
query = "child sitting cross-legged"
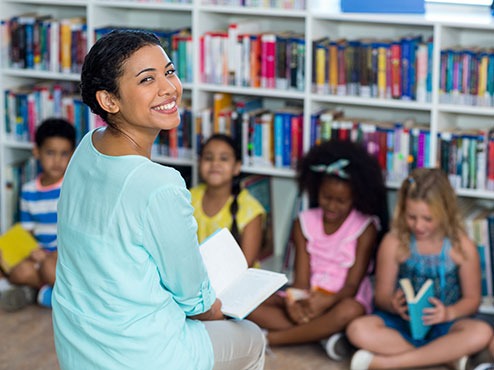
(334, 244)
(33, 278)
(427, 241)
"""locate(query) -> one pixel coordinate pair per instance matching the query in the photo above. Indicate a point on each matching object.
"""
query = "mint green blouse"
(129, 270)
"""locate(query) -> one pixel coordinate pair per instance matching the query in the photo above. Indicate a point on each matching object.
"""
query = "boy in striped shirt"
(54, 144)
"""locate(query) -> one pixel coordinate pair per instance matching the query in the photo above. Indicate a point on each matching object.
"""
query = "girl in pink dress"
(335, 242)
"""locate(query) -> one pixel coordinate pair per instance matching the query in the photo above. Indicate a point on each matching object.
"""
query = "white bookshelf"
(317, 21)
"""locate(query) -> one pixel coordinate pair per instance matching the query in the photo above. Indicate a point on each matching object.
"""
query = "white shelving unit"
(466, 30)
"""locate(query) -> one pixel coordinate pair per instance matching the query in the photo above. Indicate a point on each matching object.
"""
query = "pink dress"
(331, 256)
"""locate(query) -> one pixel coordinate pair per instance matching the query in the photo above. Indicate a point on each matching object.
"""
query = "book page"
(223, 258)
(250, 290)
(407, 288)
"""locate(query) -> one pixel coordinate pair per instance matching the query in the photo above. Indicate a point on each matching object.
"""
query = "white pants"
(237, 345)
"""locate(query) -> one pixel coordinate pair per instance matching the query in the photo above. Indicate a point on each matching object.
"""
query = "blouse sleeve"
(249, 208)
(170, 236)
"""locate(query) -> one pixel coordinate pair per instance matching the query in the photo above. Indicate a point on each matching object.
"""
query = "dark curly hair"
(365, 177)
(103, 65)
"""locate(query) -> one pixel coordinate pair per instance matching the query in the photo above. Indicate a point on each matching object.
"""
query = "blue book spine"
(287, 139)
(314, 120)
(405, 67)
(428, 84)
(278, 139)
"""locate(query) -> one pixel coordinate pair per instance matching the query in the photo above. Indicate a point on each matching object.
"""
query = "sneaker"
(338, 347)
(361, 360)
(44, 296)
(17, 297)
(461, 364)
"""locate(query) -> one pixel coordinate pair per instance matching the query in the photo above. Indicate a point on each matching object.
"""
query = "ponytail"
(234, 208)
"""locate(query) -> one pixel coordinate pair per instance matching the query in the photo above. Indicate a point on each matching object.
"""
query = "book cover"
(259, 186)
(239, 288)
(416, 304)
(15, 245)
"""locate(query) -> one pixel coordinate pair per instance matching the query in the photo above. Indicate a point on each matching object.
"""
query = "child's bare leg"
(272, 314)
(332, 321)
(371, 333)
(47, 269)
(26, 272)
(491, 347)
(464, 338)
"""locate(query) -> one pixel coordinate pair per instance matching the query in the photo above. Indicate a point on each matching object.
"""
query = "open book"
(15, 245)
(240, 289)
(416, 304)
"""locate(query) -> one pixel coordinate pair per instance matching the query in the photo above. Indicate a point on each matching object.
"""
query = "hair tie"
(335, 168)
(410, 180)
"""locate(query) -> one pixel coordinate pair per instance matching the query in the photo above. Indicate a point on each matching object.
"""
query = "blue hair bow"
(335, 168)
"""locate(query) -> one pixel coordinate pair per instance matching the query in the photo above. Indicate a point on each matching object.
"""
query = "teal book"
(417, 302)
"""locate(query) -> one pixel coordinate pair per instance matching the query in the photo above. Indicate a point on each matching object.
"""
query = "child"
(132, 291)
(219, 202)
(54, 145)
(334, 245)
(427, 240)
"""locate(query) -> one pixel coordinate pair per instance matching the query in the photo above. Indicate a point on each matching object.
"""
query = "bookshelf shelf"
(30, 73)
(463, 31)
(389, 103)
(274, 93)
(146, 5)
(264, 12)
(269, 171)
(173, 161)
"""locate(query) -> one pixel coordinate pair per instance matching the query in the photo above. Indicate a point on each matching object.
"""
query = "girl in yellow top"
(220, 202)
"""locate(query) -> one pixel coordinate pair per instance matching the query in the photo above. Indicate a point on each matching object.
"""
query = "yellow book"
(333, 68)
(15, 245)
(381, 71)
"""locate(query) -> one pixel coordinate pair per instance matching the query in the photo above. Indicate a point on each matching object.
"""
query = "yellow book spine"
(333, 69)
(65, 45)
(482, 84)
(320, 70)
(381, 72)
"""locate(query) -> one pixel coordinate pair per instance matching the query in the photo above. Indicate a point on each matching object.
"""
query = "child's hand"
(297, 311)
(437, 314)
(38, 255)
(318, 302)
(399, 304)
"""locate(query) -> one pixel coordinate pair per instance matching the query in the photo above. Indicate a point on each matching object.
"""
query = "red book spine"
(396, 71)
(268, 63)
(490, 162)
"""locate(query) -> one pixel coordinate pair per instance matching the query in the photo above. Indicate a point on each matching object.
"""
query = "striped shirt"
(39, 211)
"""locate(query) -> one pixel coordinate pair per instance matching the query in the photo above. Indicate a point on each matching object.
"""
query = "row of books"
(267, 138)
(467, 156)
(242, 57)
(177, 43)
(177, 142)
(397, 69)
(27, 106)
(16, 175)
(467, 76)
(273, 4)
(41, 42)
(479, 224)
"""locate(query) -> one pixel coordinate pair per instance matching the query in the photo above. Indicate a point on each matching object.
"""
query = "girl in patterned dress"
(427, 241)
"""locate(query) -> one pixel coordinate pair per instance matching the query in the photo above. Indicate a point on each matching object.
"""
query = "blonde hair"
(429, 185)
